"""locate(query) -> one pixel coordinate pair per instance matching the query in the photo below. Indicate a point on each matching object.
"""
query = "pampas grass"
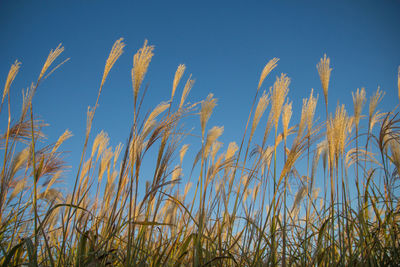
(324, 72)
(258, 202)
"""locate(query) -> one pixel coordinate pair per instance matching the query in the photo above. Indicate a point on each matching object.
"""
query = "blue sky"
(224, 44)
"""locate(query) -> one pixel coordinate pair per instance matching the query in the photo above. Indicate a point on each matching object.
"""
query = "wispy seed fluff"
(374, 101)
(358, 101)
(89, 120)
(116, 52)
(10, 78)
(338, 129)
(207, 107)
(178, 75)
(308, 111)
(141, 61)
(188, 86)
(101, 142)
(50, 59)
(67, 134)
(262, 105)
(267, 69)
(278, 95)
(230, 152)
(324, 72)
(286, 116)
(183, 152)
(157, 111)
(214, 149)
(212, 136)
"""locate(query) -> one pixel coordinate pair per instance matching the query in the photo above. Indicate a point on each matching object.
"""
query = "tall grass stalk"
(252, 204)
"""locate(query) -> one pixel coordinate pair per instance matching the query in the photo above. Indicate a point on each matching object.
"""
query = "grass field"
(254, 204)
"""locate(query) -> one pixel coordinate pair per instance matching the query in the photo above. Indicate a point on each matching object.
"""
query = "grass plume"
(258, 202)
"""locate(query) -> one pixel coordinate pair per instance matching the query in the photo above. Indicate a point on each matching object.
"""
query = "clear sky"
(224, 44)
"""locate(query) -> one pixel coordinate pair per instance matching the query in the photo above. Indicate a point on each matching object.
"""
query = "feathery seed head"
(267, 155)
(300, 194)
(338, 129)
(207, 107)
(50, 59)
(141, 61)
(324, 72)
(374, 101)
(278, 94)
(106, 156)
(212, 137)
(26, 101)
(183, 152)
(116, 52)
(188, 86)
(311, 105)
(19, 186)
(89, 120)
(307, 113)
(19, 161)
(157, 111)
(100, 144)
(10, 78)
(214, 149)
(67, 134)
(267, 69)
(376, 117)
(358, 101)
(322, 149)
(117, 152)
(286, 116)
(178, 75)
(262, 105)
(230, 152)
(176, 173)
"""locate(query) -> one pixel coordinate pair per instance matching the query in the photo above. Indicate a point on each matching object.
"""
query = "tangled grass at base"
(254, 204)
